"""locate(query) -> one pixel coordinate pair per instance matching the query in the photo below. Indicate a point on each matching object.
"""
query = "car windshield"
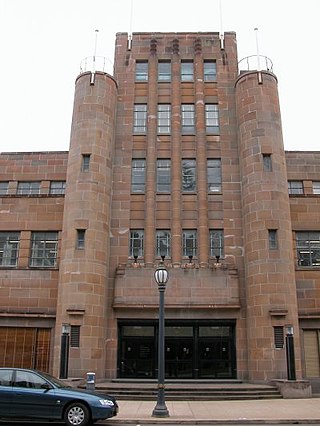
(58, 383)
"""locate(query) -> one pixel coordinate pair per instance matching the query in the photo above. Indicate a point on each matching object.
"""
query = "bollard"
(91, 381)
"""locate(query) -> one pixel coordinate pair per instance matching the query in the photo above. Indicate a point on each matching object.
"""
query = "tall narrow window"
(164, 119)
(164, 71)
(140, 118)
(267, 162)
(163, 175)
(187, 119)
(295, 187)
(210, 71)
(138, 176)
(189, 243)
(212, 119)
(188, 175)
(278, 337)
(136, 243)
(81, 239)
(308, 248)
(216, 243)
(75, 336)
(85, 162)
(214, 175)
(44, 249)
(28, 188)
(4, 188)
(273, 239)
(9, 248)
(163, 240)
(142, 71)
(186, 70)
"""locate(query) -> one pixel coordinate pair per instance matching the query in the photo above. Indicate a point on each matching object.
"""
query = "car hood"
(83, 392)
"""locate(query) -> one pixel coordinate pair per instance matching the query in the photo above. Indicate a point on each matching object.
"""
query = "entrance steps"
(189, 390)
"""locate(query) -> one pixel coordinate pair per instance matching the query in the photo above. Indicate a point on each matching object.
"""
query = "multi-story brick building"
(178, 154)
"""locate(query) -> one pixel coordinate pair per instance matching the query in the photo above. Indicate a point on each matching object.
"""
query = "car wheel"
(77, 414)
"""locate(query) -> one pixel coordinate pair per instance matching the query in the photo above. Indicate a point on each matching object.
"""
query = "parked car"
(32, 394)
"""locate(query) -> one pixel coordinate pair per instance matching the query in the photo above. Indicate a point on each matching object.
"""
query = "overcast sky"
(42, 43)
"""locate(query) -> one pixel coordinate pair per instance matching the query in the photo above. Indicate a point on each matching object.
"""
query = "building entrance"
(201, 350)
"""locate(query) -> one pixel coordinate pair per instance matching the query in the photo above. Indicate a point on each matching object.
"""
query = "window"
(295, 187)
(6, 377)
(278, 337)
(140, 118)
(209, 71)
(138, 175)
(188, 175)
(4, 188)
(187, 118)
(214, 175)
(267, 162)
(212, 119)
(164, 71)
(163, 241)
(163, 175)
(57, 187)
(216, 243)
(164, 118)
(28, 379)
(75, 336)
(273, 239)
(316, 187)
(28, 188)
(44, 248)
(81, 238)
(142, 71)
(85, 162)
(189, 243)
(308, 248)
(186, 71)
(136, 243)
(9, 248)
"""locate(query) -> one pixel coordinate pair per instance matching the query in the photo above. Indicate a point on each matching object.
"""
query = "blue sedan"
(29, 394)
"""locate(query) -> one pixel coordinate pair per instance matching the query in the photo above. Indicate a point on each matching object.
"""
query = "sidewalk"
(276, 411)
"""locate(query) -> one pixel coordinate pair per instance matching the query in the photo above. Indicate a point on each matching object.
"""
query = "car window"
(26, 379)
(5, 377)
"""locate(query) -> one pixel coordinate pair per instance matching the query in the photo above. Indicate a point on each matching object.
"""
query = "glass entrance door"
(179, 358)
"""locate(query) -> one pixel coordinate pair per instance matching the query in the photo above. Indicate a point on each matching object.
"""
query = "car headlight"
(106, 402)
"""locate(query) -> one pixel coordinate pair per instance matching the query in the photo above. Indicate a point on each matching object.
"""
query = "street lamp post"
(291, 368)
(161, 277)
(64, 352)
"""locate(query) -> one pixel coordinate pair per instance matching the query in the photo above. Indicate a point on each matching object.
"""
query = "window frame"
(209, 73)
(185, 183)
(212, 119)
(163, 175)
(214, 175)
(141, 71)
(136, 243)
(188, 124)
(164, 75)
(85, 163)
(273, 239)
(57, 187)
(164, 119)
(44, 243)
(295, 187)
(189, 242)
(267, 162)
(4, 188)
(138, 176)
(9, 248)
(29, 188)
(307, 248)
(140, 118)
(316, 187)
(187, 70)
(81, 239)
(163, 243)
(216, 243)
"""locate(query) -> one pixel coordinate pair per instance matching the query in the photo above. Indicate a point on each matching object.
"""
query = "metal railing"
(255, 63)
(96, 63)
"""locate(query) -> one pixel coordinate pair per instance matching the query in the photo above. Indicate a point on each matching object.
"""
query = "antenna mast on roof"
(93, 72)
(221, 34)
(130, 32)
(257, 46)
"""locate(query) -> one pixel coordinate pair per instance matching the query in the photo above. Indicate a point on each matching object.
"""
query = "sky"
(42, 43)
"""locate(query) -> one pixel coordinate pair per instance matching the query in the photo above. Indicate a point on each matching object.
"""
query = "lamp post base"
(160, 411)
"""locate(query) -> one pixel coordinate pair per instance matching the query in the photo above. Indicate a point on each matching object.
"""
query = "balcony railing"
(255, 63)
(96, 63)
